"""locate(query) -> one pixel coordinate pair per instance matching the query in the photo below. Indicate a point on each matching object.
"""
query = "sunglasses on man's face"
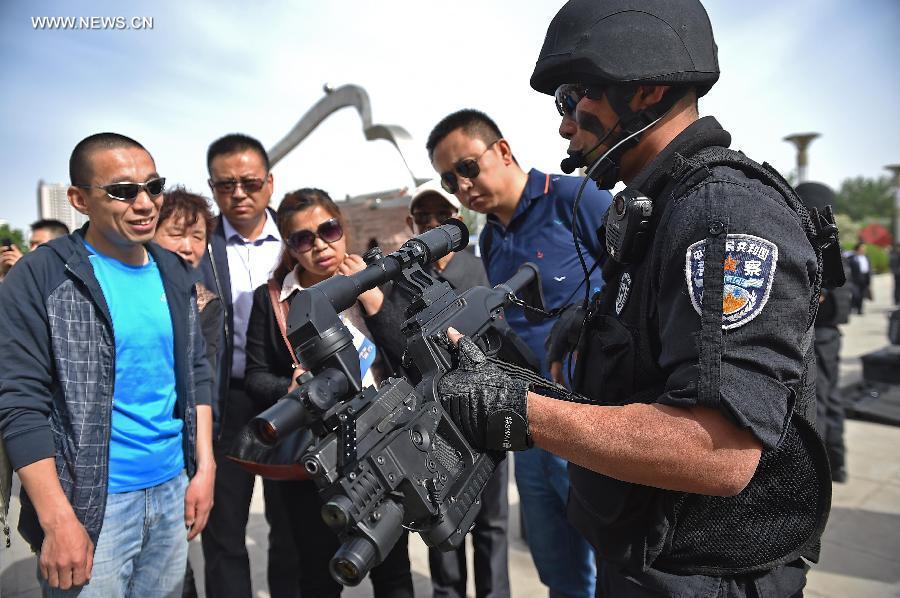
(422, 218)
(129, 191)
(249, 185)
(568, 95)
(329, 231)
(466, 168)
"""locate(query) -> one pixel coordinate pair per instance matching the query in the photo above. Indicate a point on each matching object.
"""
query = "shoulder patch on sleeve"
(749, 270)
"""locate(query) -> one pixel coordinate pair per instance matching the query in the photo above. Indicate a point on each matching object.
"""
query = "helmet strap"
(632, 126)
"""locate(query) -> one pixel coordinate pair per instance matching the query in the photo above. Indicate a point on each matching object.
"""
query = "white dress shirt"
(364, 346)
(250, 264)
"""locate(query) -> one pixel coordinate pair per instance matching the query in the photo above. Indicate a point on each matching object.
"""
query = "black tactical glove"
(563, 337)
(488, 405)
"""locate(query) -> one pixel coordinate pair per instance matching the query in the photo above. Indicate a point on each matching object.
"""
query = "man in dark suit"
(241, 255)
(860, 276)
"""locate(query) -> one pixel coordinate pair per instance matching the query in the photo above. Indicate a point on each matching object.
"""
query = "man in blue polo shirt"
(529, 219)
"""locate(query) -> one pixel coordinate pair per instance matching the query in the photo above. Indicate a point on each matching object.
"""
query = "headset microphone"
(590, 172)
(575, 160)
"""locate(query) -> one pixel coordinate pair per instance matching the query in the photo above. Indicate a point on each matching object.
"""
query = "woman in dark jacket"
(185, 223)
(184, 226)
(315, 248)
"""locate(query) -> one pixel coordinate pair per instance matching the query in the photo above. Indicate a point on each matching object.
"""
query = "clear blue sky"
(206, 69)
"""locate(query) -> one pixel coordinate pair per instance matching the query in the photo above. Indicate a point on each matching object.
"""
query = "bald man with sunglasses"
(529, 219)
(105, 390)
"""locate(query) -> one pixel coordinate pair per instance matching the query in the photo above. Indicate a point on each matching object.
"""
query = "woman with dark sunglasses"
(315, 249)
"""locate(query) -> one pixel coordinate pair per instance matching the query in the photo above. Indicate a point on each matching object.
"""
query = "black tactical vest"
(782, 512)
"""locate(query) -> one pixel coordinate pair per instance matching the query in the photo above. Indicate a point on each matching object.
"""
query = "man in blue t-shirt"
(529, 219)
(104, 400)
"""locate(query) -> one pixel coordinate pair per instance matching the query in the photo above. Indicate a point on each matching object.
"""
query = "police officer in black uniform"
(834, 309)
(695, 466)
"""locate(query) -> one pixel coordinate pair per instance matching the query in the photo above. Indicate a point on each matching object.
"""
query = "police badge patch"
(749, 270)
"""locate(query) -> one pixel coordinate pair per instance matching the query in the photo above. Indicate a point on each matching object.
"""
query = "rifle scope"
(320, 339)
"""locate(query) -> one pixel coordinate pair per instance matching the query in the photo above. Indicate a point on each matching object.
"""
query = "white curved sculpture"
(346, 96)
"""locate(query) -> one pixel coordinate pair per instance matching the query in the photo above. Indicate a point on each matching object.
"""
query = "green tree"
(473, 220)
(848, 230)
(791, 177)
(15, 234)
(878, 258)
(864, 198)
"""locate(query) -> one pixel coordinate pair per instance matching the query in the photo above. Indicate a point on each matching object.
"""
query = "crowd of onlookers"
(130, 373)
(41, 231)
(141, 345)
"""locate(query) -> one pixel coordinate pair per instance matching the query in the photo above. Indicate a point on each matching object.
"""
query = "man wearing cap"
(694, 463)
(430, 206)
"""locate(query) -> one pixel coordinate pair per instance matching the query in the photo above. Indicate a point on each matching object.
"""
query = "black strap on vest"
(708, 158)
(711, 317)
(686, 174)
(692, 171)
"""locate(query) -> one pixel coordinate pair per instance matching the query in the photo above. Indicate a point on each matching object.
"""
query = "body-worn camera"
(627, 226)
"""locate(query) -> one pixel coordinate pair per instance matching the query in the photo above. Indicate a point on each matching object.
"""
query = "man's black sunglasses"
(422, 218)
(130, 191)
(568, 95)
(329, 231)
(249, 185)
(467, 168)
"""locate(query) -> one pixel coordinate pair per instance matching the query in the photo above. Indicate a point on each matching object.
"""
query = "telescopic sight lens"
(347, 571)
(267, 432)
(353, 560)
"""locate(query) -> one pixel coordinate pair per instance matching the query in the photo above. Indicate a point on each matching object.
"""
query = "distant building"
(53, 203)
(380, 216)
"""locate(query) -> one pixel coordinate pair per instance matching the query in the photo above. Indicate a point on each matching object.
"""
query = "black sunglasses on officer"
(568, 95)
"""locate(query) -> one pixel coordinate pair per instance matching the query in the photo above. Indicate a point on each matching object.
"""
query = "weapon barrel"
(432, 245)
(360, 552)
(285, 416)
(523, 277)
(439, 241)
(289, 413)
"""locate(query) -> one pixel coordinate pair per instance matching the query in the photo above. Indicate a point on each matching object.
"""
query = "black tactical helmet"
(664, 42)
(815, 195)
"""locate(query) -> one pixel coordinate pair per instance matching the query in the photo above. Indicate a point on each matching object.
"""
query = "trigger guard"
(489, 343)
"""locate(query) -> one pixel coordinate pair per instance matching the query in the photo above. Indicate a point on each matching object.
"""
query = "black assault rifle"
(392, 458)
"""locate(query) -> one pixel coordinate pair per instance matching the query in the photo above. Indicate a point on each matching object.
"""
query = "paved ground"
(861, 546)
